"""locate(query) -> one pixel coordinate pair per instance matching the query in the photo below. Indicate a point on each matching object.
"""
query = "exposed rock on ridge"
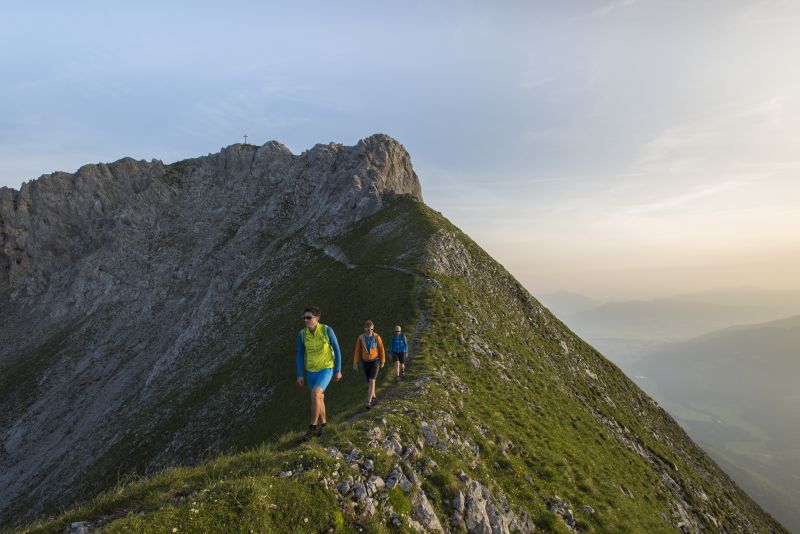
(61, 217)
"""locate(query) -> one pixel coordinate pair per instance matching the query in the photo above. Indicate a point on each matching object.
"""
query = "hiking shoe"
(309, 434)
(368, 405)
(320, 430)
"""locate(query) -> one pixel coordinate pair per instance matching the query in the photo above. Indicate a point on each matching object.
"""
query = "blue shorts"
(319, 379)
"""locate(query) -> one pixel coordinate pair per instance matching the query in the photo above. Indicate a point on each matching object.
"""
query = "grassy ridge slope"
(501, 396)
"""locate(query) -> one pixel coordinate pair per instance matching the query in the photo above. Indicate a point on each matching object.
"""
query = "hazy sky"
(615, 148)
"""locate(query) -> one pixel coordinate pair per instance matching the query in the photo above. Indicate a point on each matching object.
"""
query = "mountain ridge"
(508, 422)
(112, 286)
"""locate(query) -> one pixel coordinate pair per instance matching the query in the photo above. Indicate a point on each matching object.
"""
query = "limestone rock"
(424, 512)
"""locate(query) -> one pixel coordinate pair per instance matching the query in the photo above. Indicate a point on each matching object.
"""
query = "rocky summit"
(149, 319)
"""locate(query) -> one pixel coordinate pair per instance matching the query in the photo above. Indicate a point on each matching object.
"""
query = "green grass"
(229, 493)
(20, 378)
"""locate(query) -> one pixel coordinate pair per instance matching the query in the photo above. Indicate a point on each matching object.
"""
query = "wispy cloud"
(614, 5)
(680, 201)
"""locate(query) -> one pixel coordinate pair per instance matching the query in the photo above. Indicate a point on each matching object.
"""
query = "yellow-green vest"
(319, 353)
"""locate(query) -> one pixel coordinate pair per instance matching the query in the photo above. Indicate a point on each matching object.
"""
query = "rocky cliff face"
(133, 206)
(167, 340)
(117, 279)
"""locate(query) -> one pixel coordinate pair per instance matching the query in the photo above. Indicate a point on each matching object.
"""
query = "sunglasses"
(308, 317)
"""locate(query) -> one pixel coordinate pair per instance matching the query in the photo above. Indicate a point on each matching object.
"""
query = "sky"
(615, 148)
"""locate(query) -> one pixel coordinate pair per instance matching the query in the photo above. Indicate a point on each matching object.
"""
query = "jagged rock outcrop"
(52, 222)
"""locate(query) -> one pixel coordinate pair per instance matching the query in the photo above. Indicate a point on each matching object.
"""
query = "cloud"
(614, 5)
(680, 201)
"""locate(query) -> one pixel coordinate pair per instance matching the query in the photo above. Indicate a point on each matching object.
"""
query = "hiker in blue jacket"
(399, 352)
(318, 353)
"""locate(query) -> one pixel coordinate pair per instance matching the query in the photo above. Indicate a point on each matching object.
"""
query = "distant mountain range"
(667, 319)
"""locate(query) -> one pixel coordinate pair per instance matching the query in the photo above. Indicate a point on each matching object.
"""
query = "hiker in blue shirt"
(318, 353)
(399, 352)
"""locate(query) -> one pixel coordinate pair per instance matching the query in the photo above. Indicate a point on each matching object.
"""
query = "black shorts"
(371, 368)
(399, 357)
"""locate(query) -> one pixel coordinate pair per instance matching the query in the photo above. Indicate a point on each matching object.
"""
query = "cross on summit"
(245, 138)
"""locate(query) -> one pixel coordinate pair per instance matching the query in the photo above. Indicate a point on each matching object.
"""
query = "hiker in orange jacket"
(369, 347)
